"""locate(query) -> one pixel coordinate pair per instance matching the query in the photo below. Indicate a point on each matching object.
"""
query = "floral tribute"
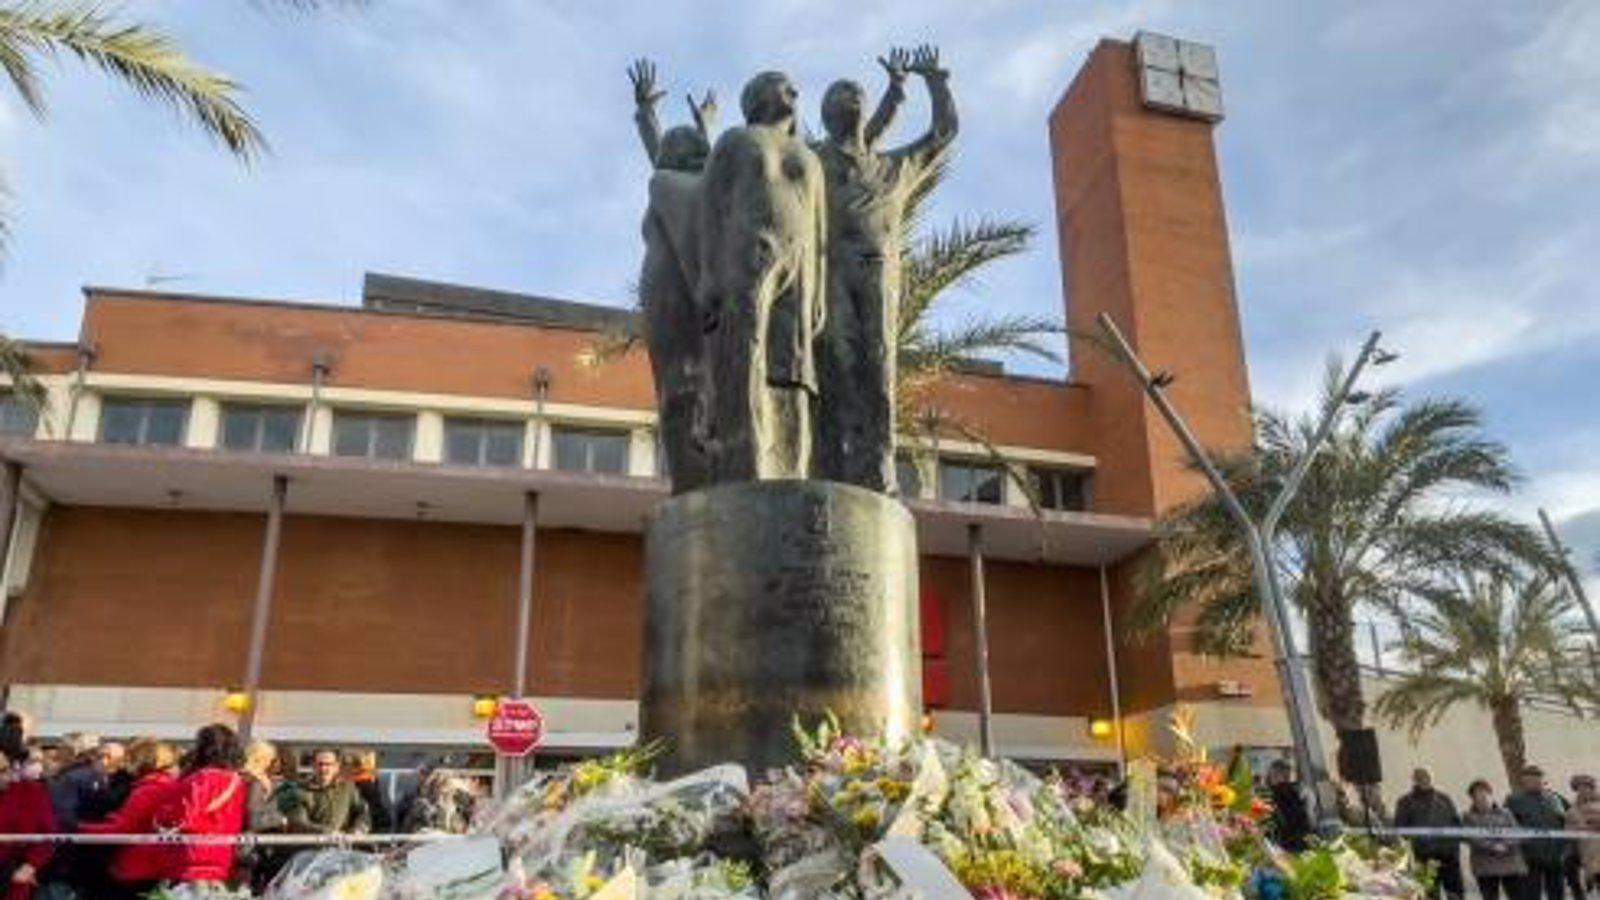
(855, 819)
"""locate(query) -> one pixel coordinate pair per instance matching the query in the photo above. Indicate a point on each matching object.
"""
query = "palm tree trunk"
(1335, 665)
(1508, 733)
(1337, 669)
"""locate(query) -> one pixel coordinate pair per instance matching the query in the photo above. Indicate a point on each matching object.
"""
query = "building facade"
(440, 444)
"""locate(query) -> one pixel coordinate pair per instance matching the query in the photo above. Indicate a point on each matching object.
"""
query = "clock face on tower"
(1177, 76)
(1162, 89)
(1202, 98)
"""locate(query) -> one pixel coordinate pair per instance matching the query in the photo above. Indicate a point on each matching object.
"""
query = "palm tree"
(1496, 639)
(137, 54)
(1373, 517)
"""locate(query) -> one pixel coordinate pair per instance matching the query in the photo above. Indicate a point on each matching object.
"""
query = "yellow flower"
(894, 791)
(857, 760)
(543, 892)
(866, 818)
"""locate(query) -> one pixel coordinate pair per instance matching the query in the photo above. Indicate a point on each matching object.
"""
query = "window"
(590, 450)
(128, 420)
(1063, 489)
(908, 477)
(260, 429)
(482, 442)
(373, 435)
(969, 482)
(18, 417)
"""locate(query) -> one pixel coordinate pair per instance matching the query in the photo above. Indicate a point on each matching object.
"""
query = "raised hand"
(925, 62)
(704, 112)
(643, 75)
(896, 64)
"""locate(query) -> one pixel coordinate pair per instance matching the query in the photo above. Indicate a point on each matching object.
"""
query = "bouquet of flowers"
(328, 875)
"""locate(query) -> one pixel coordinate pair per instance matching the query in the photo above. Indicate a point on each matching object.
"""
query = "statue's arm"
(883, 117)
(643, 76)
(945, 124)
(644, 118)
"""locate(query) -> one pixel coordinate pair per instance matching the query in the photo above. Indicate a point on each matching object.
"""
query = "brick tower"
(1143, 237)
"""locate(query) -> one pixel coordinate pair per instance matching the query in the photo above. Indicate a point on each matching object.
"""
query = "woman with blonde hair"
(136, 869)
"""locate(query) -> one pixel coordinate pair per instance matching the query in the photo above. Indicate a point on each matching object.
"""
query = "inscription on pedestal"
(772, 599)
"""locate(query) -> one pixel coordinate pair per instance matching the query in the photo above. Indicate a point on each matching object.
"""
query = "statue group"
(771, 278)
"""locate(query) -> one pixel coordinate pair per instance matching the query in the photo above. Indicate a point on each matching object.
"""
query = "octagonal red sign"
(516, 728)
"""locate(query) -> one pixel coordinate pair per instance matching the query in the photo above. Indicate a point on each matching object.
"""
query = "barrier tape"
(247, 839)
(350, 840)
(1484, 834)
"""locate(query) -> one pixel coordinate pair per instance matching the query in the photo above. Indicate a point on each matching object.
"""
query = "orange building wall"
(1046, 644)
(158, 598)
(163, 598)
(152, 334)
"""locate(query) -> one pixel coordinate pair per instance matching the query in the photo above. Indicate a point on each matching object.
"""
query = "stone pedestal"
(771, 598)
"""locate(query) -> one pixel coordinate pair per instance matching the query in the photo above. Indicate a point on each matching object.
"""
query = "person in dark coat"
(1425, 807)
(78, 794)
(1497, 863)
(1291, 821)
(25, 808)
(1536, 806)
(14, 737)
(325, 803)
(361, 767)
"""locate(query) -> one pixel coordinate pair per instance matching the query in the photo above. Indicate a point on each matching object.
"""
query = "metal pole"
(1296, 688)
(1111, 672)
(85, 359)
(530, 522)
(980, 630)
(319, 371)
(263, 608)
(1572, 574)
(1377, 647)
(10, 496)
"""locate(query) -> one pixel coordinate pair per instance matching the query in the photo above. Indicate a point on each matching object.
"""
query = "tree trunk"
(1335, 665)
(1507, 714)
(1337, 669)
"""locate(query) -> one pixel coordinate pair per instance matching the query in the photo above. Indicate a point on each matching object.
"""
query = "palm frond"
(143, 57)
(952, 256)
(939, 351)
(16, 366)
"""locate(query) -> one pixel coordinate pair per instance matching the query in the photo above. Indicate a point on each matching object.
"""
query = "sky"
(1430, 168)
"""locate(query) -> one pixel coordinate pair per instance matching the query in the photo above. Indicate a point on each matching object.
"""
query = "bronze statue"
(762, 226)
(867, 192)
(751, 247)
(672, 321)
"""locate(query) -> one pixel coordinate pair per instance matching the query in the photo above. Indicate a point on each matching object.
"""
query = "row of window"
(373, 435)
(968, 481)
(489, 442)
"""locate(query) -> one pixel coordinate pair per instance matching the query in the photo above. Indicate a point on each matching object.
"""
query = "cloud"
(1419, 168)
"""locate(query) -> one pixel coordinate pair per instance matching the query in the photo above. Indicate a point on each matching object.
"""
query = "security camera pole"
(1309, 756)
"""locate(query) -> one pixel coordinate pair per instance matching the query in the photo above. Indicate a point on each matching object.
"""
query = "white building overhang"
(87, 474)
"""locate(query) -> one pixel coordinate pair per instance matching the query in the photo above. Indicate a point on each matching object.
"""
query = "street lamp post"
(1309, 755)
(1573, 581)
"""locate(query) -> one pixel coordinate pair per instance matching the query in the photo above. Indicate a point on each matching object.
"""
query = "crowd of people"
(214, 786)
(1531, 869)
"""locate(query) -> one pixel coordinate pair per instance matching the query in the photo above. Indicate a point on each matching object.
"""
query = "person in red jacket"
(24, 809)
(209, 799)
(136, 869)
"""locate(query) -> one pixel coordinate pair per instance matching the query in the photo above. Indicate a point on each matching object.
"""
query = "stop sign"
(516, 728)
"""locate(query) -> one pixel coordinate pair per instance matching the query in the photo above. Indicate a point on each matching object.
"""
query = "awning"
(88, 474)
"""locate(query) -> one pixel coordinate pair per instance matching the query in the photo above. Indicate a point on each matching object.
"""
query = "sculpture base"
(771, 599)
